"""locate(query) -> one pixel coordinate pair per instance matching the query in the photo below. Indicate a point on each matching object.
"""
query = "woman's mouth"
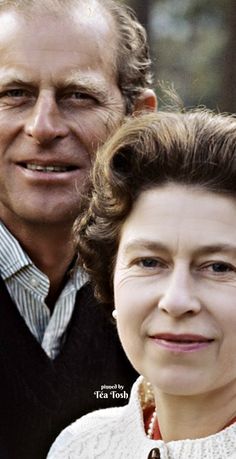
(181, 342)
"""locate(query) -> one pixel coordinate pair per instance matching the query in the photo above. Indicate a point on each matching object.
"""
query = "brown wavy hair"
(132, 61)
(192, 148)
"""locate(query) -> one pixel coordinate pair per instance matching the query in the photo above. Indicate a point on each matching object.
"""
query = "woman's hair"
(132, 61)
(196, 148)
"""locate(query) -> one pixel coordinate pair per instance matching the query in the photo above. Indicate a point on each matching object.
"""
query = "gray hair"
(132, 61)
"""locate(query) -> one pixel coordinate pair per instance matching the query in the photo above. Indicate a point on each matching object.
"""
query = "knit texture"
(118, 433)
(40, 396)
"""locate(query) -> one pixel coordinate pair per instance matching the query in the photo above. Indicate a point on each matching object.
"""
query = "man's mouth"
(49, 168)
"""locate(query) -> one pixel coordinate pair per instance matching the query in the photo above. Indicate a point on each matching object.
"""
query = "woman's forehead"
(176, 214)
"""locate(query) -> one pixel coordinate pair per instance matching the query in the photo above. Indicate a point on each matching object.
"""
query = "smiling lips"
(181, 342)
(48, 168)
(36, 167)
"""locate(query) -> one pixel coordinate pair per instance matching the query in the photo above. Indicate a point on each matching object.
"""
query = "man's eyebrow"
(80, 81)
(75, 80)
(10, 76)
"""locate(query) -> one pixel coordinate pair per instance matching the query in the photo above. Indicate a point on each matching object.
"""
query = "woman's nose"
(179, 295)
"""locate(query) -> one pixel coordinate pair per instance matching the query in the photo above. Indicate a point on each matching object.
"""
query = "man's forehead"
(85, 39)
(90, 8)
(29, 7)
(82, 12)
(83, 9)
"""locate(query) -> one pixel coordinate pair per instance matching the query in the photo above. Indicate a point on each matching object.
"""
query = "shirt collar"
(12, 256)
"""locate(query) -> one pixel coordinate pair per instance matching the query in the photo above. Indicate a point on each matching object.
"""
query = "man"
(70, 71)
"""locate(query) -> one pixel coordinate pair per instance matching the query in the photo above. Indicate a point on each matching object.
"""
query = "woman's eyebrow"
(145, 244)
(217, 248)
(208, 249)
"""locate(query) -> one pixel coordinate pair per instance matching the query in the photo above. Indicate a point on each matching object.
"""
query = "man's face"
(59, 101)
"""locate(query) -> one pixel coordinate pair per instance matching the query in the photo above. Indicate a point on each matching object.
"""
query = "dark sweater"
(40, 396)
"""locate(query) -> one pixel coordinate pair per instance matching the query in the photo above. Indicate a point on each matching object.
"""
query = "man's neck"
(50, 249)
(195, 417)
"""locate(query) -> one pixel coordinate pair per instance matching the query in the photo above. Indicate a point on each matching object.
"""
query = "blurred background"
(193, 46)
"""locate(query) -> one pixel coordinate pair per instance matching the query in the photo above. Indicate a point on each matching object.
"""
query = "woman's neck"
(182, 417)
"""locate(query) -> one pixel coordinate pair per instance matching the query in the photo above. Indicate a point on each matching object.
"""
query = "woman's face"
(175, 289)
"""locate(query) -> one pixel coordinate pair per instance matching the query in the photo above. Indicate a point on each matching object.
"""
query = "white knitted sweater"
(118, 433)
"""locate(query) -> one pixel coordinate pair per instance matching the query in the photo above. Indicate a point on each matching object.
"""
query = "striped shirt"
(29, 287)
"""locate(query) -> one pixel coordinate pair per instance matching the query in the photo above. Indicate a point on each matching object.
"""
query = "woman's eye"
(149, 263)
(221, 267)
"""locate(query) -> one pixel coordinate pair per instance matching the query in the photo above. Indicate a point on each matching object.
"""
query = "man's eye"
(15, 97)
(14, 93)
(81, 96)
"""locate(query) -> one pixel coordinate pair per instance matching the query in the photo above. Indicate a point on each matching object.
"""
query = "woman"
(159, 237)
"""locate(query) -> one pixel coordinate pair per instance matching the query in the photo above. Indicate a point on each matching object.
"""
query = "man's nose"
(179, 296)
(45, 122)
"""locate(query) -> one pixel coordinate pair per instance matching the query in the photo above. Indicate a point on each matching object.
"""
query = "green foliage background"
(193, 46)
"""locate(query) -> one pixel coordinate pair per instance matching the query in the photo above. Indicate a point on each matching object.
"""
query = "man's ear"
(146, 101)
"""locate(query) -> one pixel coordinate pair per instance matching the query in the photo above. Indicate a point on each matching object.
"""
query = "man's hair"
(133, 63)
(196, 148)
(132, 60)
